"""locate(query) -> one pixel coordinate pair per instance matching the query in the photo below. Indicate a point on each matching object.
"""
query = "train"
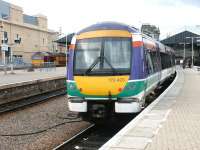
(112, 67)
(46, 59)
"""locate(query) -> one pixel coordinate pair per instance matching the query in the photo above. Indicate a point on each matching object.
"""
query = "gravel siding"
(36, 118)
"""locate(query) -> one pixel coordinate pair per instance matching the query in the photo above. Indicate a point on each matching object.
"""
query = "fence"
(18, 63)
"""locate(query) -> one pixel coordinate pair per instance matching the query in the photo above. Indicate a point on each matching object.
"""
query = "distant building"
(33, 31)
(182, 41)
(151, 30)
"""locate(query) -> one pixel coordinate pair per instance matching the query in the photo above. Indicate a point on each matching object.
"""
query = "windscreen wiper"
(113, 69)
(96, 62)
(93, 65)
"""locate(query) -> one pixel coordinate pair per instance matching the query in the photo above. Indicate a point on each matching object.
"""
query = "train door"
(149, 70)
(158, 62)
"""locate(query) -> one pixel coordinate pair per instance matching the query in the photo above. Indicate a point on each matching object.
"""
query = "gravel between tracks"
(38, 118)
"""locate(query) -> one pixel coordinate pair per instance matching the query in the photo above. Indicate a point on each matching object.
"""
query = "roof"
(180, 38)
(63, 39)
(109, 26)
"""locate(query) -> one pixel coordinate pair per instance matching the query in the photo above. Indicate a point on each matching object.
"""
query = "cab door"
(149, 70)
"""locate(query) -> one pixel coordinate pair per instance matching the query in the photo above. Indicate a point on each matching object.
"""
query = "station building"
(182, 43)
(33, 31)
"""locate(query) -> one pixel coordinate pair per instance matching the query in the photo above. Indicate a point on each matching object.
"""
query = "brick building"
(33, 31)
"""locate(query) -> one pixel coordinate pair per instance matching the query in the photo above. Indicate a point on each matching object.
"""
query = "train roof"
(109, 26)
(165, 49)
(121, 26)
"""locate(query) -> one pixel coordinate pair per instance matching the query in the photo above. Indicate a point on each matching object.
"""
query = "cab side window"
(154, 58)
(150, 68)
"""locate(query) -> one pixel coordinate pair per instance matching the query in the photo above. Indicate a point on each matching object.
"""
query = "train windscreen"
(111, 56)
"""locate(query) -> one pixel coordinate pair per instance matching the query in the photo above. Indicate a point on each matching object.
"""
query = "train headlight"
(71, 87)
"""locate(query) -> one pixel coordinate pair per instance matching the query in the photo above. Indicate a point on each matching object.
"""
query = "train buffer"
(171, 122)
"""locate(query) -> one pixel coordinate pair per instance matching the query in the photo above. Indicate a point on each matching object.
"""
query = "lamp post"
(192, 47)
(16, 41)
(4, 48)
(184, 44)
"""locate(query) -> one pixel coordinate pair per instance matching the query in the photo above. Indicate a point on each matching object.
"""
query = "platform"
(23, 84)
(24, 76)
(171, 122)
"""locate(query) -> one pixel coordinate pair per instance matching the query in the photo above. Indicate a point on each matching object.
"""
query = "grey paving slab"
(133, 143)
(151, 133)
(171, 124)
(181, 131)
(159, 112)
(154, 116)
(149, 123)
(142, 132)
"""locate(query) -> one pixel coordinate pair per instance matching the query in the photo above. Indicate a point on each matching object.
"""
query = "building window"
(4, 16)
(18, 59)
(18, 39)
(5, 34)
(5, 37)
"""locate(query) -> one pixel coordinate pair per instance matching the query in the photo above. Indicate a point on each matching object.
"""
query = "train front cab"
(112, 71)
(105, 70)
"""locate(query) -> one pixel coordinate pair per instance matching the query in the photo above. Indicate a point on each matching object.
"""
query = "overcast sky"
(72, 15)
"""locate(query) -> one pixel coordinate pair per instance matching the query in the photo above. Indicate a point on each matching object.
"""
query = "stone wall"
(14, 92)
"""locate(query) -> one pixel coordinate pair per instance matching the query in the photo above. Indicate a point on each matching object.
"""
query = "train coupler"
(98, 111)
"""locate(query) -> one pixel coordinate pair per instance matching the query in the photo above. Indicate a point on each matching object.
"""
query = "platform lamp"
(192, 47)
(16, 41)
(4, 47)
(184, 49)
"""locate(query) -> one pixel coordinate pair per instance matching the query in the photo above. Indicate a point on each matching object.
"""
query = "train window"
(169, 60)
(173, 60)
(102, 56)
(117, 51)
(163, 63)
(165, 60)
(149, 63)
(154, 60)
(87, 51)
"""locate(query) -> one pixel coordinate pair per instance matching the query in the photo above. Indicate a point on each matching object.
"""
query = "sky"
(171, 16)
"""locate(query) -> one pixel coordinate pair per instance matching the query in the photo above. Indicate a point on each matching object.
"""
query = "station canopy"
(62, 40)
(182, 37)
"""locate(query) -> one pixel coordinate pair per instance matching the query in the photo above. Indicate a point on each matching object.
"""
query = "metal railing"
(18, 63)
(47, 66)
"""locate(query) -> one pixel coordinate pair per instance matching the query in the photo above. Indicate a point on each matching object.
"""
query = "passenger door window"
(149, 64)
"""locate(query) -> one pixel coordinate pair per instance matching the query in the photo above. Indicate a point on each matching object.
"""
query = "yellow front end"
(101, 85)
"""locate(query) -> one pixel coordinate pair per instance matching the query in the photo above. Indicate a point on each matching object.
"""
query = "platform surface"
(24, 76)
(171, 123)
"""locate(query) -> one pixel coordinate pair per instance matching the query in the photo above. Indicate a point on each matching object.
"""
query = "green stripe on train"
(131, 88)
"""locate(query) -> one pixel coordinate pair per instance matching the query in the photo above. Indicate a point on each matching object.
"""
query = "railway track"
(11, 106)
(95, 136)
